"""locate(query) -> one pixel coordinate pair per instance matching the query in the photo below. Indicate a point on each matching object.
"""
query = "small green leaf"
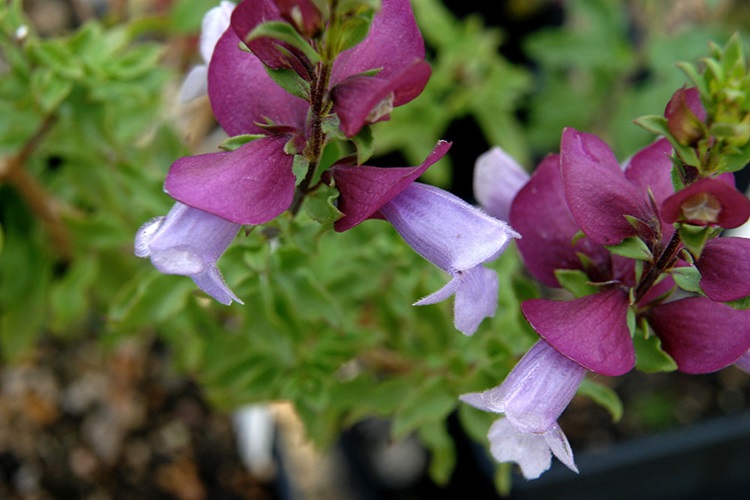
(688, 278)
(632, 248)
(364, 144)
(50, 89)
(320, 205)
(238, 141)
(430, 402)
(576, 282)
(603, 396)
(300, 167)
(289, 80)
(742, 304)
(694, 238)
(286, 33)
(649, 356)
(655, 124)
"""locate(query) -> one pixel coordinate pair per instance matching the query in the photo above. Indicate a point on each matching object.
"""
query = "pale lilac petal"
(444, 229)
(195, 84)
(539, 388)
(442, 294)
(476, 298)
(497, 180)
(530, 451)
(743, 363)
(558, 443)
(189, 242)
(591, 330)
(701, 335)
(535, 392)
(476, 292)
(725, 268)
(598, 194)
(214, 24)
(250, 185)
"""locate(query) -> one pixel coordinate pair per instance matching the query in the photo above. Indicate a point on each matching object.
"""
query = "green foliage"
(597, 76)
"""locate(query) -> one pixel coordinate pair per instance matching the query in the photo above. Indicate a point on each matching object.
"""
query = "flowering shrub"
(586, 266)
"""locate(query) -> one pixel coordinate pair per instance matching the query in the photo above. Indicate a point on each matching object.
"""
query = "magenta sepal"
(725, 268)
(701, 335)
(363, 189)
(360, 99)
(250, 185)
(243, 95)
(598, 193)
(734, 206)
(591, 330)
(395, 48)
(540, 214)
(274, 53)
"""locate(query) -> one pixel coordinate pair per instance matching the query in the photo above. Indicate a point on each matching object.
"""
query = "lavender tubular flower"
(532, 398)
(457, 238)
(188, 241)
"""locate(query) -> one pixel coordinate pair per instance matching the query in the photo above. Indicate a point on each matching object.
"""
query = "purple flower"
(255, 183)
(457, 238)
(585, 190)
(440, 227)
(497, 180)
(250, 185)
(393, 49)
(188, 242)
(531, 399)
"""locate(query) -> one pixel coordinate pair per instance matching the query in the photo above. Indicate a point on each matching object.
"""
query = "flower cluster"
(285, 78)
(643, 266)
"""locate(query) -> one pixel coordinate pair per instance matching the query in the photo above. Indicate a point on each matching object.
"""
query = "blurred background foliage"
(89, 125)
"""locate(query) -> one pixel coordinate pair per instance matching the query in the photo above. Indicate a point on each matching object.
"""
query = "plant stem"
(662, 264)
(41, 203)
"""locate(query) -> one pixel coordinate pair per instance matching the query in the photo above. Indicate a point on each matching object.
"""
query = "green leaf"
(285, 33)
(632, 248)
(320, 205)
(742, 304)
(442, 451)
(300, 167)
(694, 238)
(238, 141)
(688, 278)
(576, 282)
(50, 89)
(604, 396)
(364, 143)
(649, 356)
(289, 80)
(655, 124)
(430, 402)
